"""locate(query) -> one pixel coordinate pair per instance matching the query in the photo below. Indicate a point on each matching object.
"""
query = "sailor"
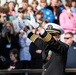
(49, 40)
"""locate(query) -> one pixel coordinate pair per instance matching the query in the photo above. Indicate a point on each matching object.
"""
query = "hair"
(13, 3)
(26, 1)
(4, 10)
(39, 13)
(11, 24)
(30, 6)
(69, 33)
(35, 2)
(68, 4)
(15, 51)
(43, 1)
(5, 5)
(60, 0)
(21, 10)
(73, 0)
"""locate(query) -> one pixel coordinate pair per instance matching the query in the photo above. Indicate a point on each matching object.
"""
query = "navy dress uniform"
(57, 62)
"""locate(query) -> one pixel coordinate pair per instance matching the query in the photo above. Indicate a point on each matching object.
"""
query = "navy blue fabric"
(71, 57)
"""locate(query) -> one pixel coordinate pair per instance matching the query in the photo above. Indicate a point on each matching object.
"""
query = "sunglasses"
(67, 37)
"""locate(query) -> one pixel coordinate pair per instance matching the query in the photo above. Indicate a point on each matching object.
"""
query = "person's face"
(8, 26)
(68, 39)
(73, 4)
(34, 5)
(58, 3)
(66, 7)
(29, 9)
(11, 6)
(24, 5)
(39, 17)
(12, 57)
(43, 5)
(2, 17)
(54, 2)
(21, 14)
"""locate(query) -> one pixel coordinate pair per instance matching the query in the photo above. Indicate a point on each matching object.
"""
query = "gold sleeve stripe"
(33, 37)
(47, 37)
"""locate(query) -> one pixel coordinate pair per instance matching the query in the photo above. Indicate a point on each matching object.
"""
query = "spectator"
(11, 6)
(39, 16)
(25, 56)
(3, 15)
(34, 5)
(59, 10)
(48, 14)
(73, 6)
(15, 62)
(24, 4)
(19, 21)
(56, 6)
(71, 56)
(53, 8)
(9, 40)
(9, 16)
(36, 56)
(68, 20)
(43, 3)
(29, 15)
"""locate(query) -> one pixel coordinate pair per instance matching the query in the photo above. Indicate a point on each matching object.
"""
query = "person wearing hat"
(56, 64)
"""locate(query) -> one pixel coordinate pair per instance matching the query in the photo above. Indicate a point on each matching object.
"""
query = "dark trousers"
(26, 65)
(70, 73)
(36, 64)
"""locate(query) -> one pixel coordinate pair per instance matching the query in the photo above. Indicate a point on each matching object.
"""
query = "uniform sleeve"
(37, 41)
(48, 42)
(56, 46)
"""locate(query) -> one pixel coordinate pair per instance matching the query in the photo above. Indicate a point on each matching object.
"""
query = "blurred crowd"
(17, 51)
